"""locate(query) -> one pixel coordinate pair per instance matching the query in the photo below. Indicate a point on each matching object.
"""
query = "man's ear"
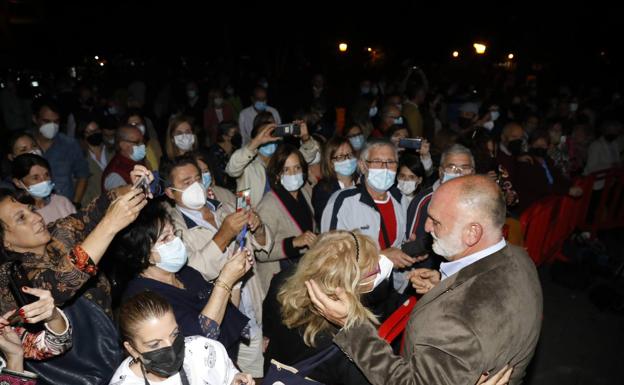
(472, 234)
(169, 193)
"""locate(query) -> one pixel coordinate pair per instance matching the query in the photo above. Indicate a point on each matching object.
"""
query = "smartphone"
(17, 280)
(411, 143)
(243, 200)
(287, 129)
(143, 184)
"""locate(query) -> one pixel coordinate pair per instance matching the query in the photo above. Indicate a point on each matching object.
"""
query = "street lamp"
(479, 48)
(342, 47)
(455, 54)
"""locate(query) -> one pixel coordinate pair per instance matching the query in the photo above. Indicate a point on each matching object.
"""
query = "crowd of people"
(194, 241)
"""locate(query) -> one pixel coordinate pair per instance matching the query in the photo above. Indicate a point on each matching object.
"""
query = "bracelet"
(223, 285)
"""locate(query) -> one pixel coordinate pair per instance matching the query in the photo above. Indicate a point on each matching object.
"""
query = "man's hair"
(167, 167)
(378, 142)
(457, 149)
(48, 102)
(263, 118)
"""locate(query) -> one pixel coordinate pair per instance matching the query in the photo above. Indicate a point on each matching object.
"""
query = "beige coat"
(246, 166)
(283, 226)
(206, 257)
(479, 319)
(224, 195)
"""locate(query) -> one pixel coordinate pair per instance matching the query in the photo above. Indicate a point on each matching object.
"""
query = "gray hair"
(484, 199)
(457, 149)
(378, 142)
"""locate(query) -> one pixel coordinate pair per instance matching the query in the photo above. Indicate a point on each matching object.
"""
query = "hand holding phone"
(411, 143)
(287, 129)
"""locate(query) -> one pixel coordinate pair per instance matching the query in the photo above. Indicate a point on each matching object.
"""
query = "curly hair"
(335, 261)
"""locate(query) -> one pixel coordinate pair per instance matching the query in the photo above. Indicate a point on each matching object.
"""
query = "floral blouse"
(66, 269)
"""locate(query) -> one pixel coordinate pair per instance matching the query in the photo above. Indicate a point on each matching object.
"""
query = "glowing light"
(479, 48)
(369, 49)
(455, 54)
(342, 47)
(510, 56)
(96, 57)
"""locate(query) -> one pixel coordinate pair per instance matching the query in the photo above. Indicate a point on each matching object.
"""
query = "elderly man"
(370, 207)
(247, 115)
(485, 312)
(130, 152)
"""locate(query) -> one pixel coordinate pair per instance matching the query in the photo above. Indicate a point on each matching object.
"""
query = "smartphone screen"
(411, 143)
(243, 200)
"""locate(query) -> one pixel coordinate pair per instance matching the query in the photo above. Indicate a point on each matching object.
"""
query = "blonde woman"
(295, 330)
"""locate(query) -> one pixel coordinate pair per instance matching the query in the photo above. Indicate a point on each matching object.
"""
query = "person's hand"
(40, 310)
(493, 175)
(305, 134)
(124, 210)
(265, 344)
(510, 197)
(10, 344)
(575, 192)
(306, 239)
(253, 221)
(236, 267)
(139, 171)
(243, 379)
(399, 258)
(525, 159)
(233, 224)
(500, 378)
(424, 280)
(425, 146)
(265, 135)
(334, 310)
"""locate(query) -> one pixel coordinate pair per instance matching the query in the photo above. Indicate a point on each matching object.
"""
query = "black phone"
(17, 280)
(287, 129)
(411, 143)
(143, 184)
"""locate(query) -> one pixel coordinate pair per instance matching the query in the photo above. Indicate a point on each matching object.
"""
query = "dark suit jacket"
(485, 316)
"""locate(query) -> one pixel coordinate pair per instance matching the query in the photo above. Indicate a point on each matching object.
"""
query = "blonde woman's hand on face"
(333, 310)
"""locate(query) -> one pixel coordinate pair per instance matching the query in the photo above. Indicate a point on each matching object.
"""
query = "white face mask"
(49, 130)
(494, 115)
(218, 102)
(194, 196)
(385, 267)
(172, 255)
(292, 182)
(184, 141)
(407, 187)
(488, 125)
(36, 151)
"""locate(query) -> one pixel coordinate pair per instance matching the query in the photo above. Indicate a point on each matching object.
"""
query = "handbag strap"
(309, 364)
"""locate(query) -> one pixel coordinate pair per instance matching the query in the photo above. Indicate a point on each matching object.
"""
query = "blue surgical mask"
(267, 149)
(357, 142)
(372, 111)
(448, 176)
(380, 179)
(41, 189)
(292, 182)
(206, 179)
(172, 255)
(398, 121)
(346, 167)
(138, 153)
(260, 106)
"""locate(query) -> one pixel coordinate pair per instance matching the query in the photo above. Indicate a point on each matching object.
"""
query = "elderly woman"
(155, 258)
(295, 330)
(159, 352)
(63, 258)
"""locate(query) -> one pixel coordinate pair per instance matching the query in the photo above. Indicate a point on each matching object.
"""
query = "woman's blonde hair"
(338, 259)
(170, 148)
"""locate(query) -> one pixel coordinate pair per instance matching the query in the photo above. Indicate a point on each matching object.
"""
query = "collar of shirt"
(449, 268)
(198, 218)
(102, 162)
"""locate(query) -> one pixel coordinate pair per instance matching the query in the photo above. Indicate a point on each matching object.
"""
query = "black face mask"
(95, 139)
(539, 151)
(610, 137)
(165, 362)
(515, 147)
(237, 140)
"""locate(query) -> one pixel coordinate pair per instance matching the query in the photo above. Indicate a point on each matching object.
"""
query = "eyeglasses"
(377, 163)
(340, 158)
(455, 169)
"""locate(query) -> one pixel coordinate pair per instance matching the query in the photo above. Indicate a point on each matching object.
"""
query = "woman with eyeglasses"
(287, 210)
(339, 169)
(159, 352)
(155, 259)
(294, 328)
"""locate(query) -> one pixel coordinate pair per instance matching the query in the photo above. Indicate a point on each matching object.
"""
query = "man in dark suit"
(484, 313)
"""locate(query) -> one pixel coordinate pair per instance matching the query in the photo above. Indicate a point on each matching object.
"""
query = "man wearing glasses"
(370, 206)
(130, 152)
(455, 162)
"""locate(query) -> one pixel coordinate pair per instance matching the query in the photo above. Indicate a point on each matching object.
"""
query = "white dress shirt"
(449, 268)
